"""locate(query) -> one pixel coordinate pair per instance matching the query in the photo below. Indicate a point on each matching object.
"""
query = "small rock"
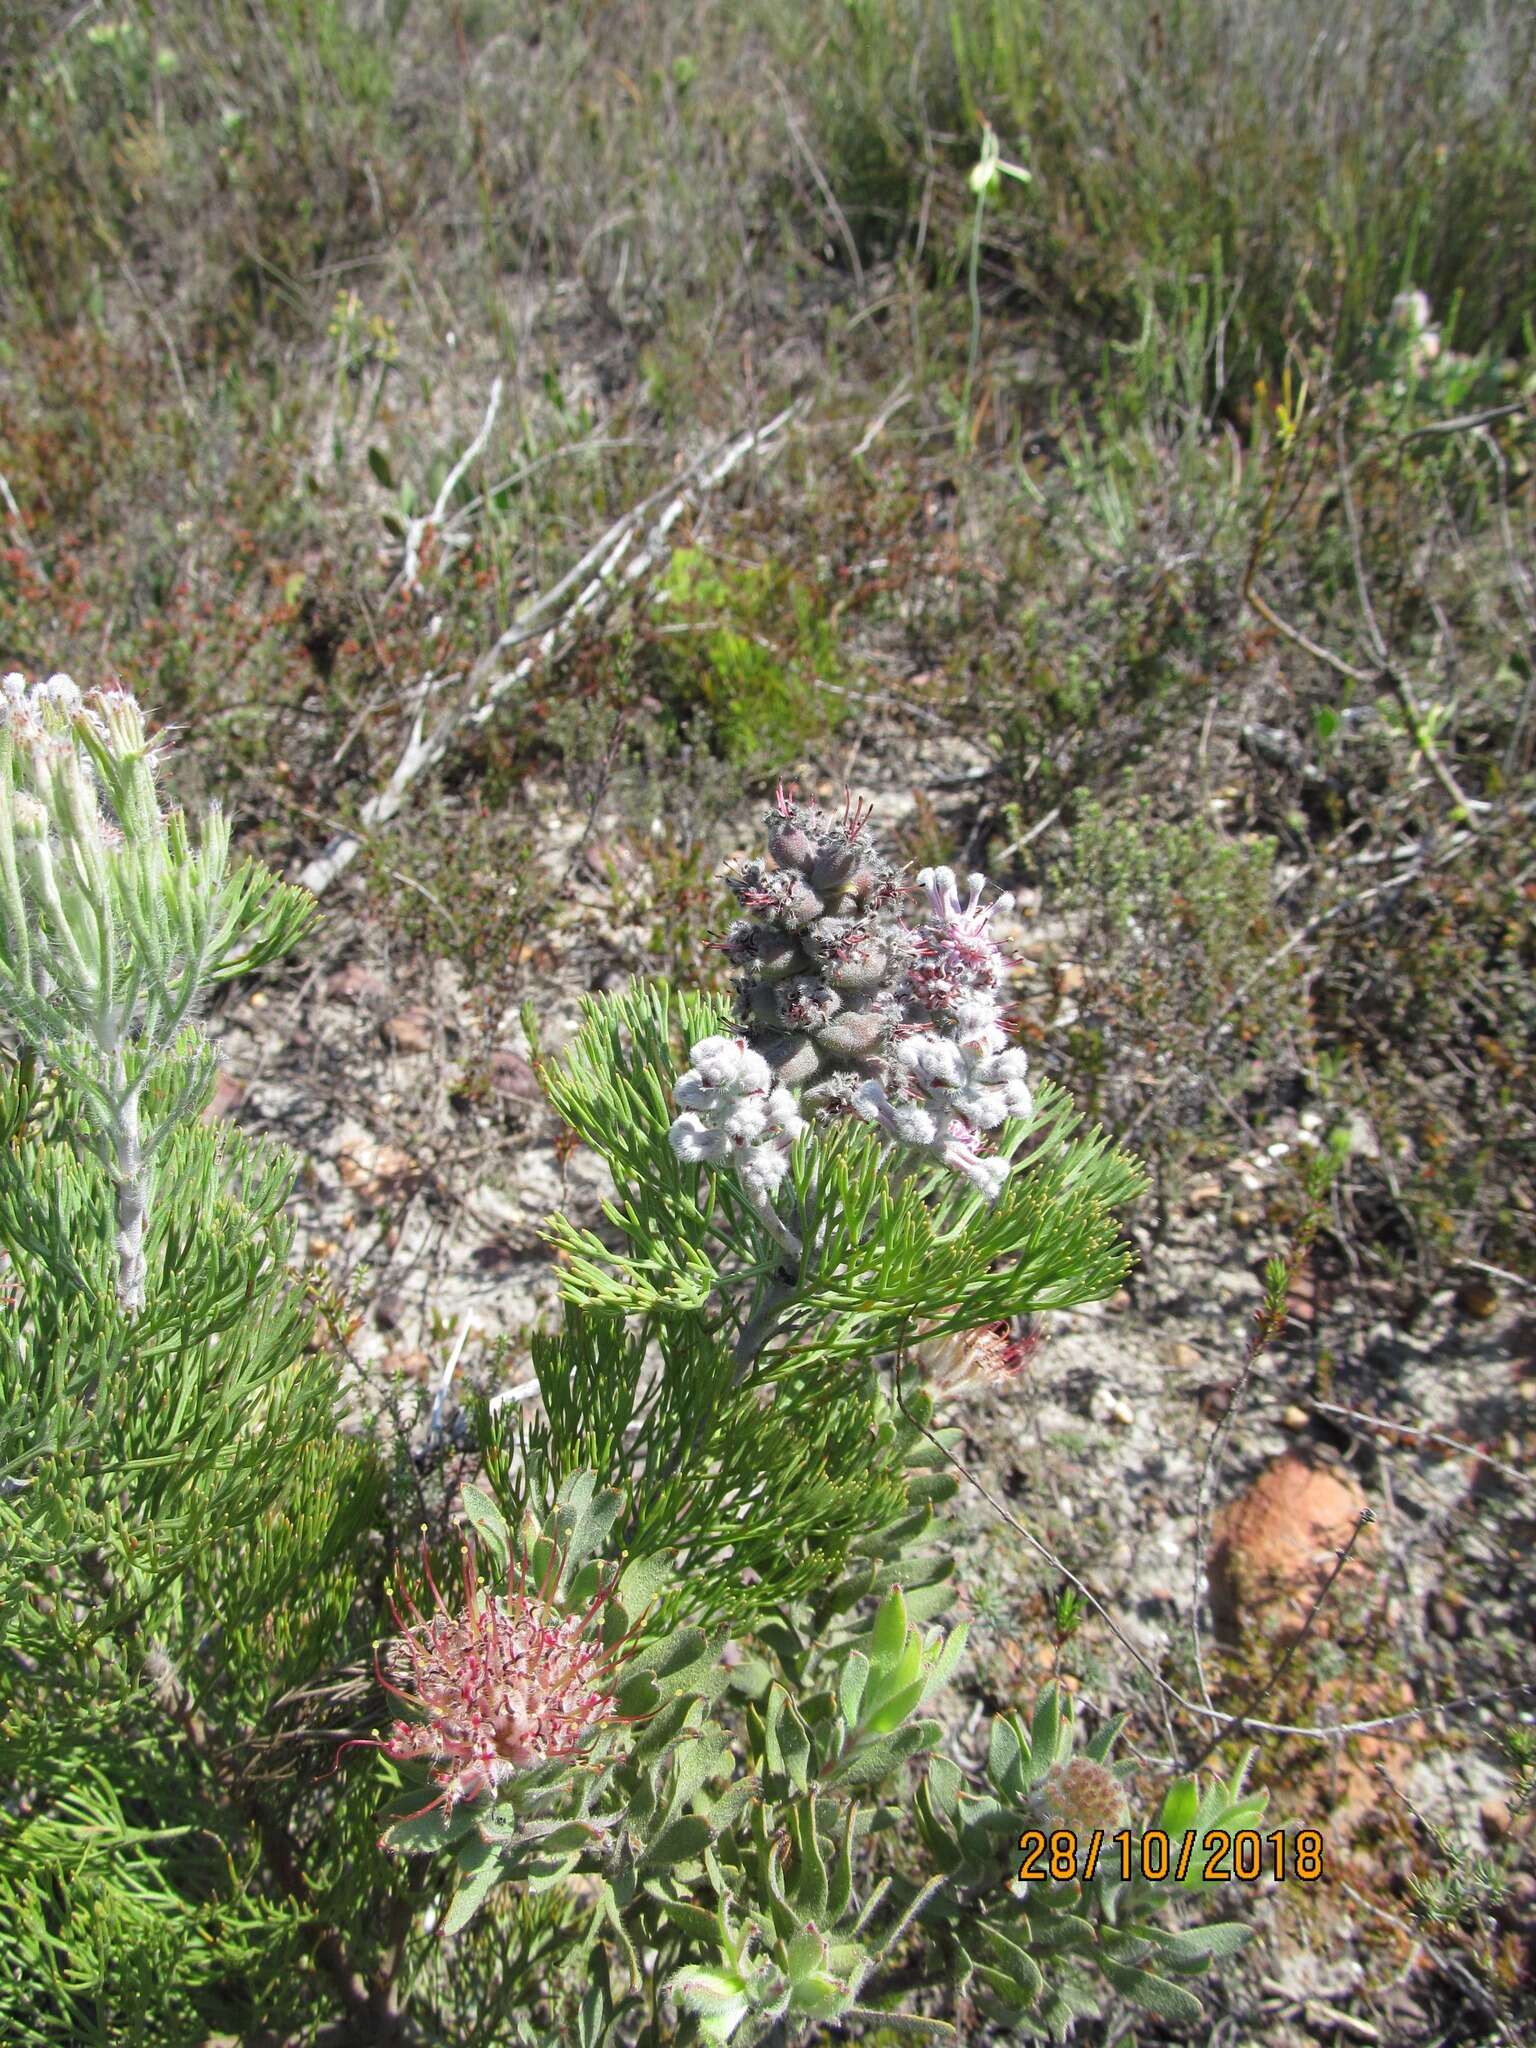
(1120, 1301)
(513, 1079)
(1295, 1418)
(1069, 978)
(370, 1168)
(323, 1247)
(1108, 1406)
(1274, 1547)
(410, 1032)
(258, 999)
(388, 1310)
(1243, 1218)
(1477, 1299)
(1183, 1357)
(1495, 1817)
(1444, 1618)
(355, 983)
(1203, 1195)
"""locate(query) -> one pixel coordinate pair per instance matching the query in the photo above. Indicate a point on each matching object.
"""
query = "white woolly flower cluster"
(735, 1114)
(24, 708)
(958, 1077)
(947, 1096)
(903, 1026)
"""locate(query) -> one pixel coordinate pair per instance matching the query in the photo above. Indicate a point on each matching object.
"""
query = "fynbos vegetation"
(766, 1027)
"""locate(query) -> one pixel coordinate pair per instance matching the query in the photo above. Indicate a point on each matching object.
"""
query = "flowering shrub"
(641, 1772)
(112, 926)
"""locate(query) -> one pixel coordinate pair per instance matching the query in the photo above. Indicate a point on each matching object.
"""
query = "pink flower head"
(966, 922)
(990, 1355)
(503, 1685)
(958, 967)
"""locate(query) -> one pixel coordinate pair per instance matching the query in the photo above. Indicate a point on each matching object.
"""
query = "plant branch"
(372, 2017)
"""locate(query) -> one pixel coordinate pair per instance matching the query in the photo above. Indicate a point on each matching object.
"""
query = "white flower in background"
(1412, 313)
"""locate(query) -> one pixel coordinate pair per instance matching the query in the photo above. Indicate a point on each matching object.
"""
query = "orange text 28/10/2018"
(1248, 1857)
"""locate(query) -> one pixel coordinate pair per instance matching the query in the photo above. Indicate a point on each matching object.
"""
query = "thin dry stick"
(418, 529)
(1329, 1733)
(1498, 1272)
(822, 186)
(1430, 1436)
(1267, 1685)
(1418, 725)
(606, 568)
(1469, 421)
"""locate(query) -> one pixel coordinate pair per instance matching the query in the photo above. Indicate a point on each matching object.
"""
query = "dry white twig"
(609, 565)
(418, 529)
(440, 1400)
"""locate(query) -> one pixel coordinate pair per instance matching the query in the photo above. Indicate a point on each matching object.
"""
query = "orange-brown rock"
(1274, 1546)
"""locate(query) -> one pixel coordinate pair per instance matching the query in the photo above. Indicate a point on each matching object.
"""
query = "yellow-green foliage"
(750, 664)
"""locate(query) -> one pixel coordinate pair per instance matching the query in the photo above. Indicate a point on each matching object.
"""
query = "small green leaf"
(1014, 1974)
(378, 462)
(642, 1579)
(684, 1914)
(484, 1869)
(681, 1841)
(889, 1635)
(894, 1709)
(1181, 1803)
(850, 1688)
(417, 1833)
(1008, 1757)
(751, 1677)
(1197, 1944)
(1045, 1730)
(947, 1661)
(872, 1761)
(487, 1521)
(1152, 1993)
